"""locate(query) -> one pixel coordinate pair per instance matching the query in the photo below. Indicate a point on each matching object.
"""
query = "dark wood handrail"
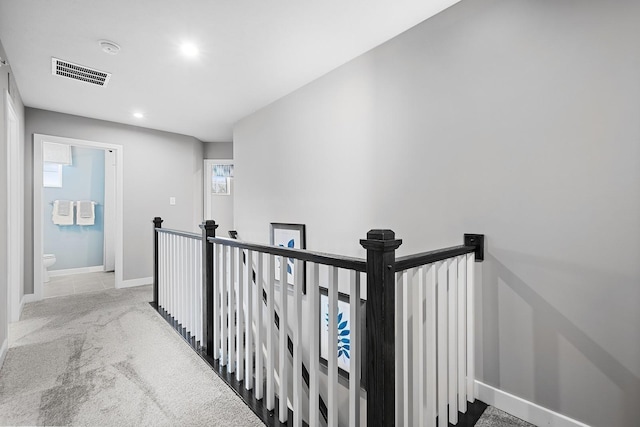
(195, 236)
(417, 260)
(348, 263)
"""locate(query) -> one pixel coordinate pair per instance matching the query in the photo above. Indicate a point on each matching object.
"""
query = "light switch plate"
(172, 201)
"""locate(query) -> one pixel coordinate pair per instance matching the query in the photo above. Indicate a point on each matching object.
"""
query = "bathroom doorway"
(77, 216)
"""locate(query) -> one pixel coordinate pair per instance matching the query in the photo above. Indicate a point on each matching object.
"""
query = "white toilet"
(47, 261)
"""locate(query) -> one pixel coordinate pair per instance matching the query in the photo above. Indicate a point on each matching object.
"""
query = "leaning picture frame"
(289, 236)
(344, 334)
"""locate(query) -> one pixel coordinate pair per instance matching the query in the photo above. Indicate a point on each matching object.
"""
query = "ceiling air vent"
(79, 72)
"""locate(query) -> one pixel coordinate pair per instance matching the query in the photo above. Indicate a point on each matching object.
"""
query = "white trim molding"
(3, 351)
(523, 409)
(135, 282)
(81, 270)
(27, 298)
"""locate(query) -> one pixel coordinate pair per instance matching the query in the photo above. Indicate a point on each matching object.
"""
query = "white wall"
(513, 118)
(218, 150)
(6, 83)
(157, 165)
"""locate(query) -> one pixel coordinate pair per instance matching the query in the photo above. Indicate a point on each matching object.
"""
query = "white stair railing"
(179, 279)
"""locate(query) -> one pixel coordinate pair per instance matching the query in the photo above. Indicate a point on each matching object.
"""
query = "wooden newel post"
(157, 223)
(380, 327)
(208, 230)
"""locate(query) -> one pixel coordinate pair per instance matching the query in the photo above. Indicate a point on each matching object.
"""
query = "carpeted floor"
(493, 417)
(107, 358)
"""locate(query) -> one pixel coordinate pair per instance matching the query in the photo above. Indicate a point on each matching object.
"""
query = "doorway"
(218, 194)
(111, 211)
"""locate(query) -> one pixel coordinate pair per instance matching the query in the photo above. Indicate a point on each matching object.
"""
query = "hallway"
(107, 358)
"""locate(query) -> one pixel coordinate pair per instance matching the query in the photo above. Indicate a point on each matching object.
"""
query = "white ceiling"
(252, 52)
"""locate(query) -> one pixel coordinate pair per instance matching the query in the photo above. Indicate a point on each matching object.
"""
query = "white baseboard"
(82, 270)
(523, 409)
(135, 282)
(3, 351)
(27, 298)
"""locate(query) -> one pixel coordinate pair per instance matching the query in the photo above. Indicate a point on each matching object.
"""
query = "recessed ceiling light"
(189, 49)
(138, 115)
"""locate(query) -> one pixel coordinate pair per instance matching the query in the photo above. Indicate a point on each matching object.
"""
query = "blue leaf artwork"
(344, 333)
(290, 244)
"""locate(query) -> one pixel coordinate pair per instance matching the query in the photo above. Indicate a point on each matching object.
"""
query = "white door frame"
(15, 212)
(109, 212)
(38, 208)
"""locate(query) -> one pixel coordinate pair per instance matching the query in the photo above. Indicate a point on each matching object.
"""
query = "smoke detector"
(73, 71)
(109, 47)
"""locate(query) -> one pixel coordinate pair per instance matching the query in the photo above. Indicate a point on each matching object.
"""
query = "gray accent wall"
(518, 119)
(157, 165)
(218, 150)
(7, 83)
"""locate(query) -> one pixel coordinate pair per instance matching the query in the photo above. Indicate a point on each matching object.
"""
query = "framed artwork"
(344, 334)
(221, 175)
(289, 236)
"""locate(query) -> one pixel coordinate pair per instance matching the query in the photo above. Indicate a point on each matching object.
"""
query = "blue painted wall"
(77, 246)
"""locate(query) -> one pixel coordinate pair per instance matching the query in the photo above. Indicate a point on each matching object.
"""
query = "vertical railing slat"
(442, 344)
(462, 335)
(453, 340)
(282, 341)
(354, 367)
(403, 355)
(231, 320)
(240, 316)
(224, 304)
(270, 332)
(217, 284)
(332, 349)
(297, 345)
(174, 279)
(199, 317)
(431, 343)
(248, 330)
(259, 387)
(314, 353)
(421, 353)
(470, 328)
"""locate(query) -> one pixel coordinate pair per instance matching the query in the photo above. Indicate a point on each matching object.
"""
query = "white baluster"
(224, 304)
(443, 420)
(297, 346)
(270, 332)
(172, 286)
(421, 353)
(259, 388)
(199, 291)
(314, 354)
(231, 367)
(431, 343)
(405, 295)
(332, 349)
(179, 282)
(470, 328)
(248, 331)
(354, 366)
(240, 316)
(217, 285)
(283, 349)
(399, 349)
(462, 335)
(453, 340)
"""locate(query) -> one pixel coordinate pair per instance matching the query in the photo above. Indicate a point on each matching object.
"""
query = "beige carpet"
(107, 359)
